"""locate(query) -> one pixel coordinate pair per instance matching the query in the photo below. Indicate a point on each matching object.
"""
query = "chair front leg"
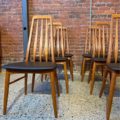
(26, 75)
(71, 69)
(6, 91)
(66, 77)
(52, 81)
(110, 97)
(92, 78)
(105, 73)
(33, 82)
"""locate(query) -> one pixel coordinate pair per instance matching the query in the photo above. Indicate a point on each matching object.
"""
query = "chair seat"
(114, 66)
(60, 59)
(68, 55)
(87, 55)
(99, 59)
(30, 66)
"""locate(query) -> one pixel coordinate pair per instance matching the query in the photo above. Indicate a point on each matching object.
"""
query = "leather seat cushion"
(87, 55)
(114, 66)
(68, 55)
(99, 59)
(60, 59)
(30, 66)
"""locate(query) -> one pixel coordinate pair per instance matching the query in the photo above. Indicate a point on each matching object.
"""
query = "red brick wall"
(11, 30)
(74, 14)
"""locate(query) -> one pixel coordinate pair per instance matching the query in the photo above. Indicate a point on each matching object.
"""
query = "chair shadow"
(40, 88)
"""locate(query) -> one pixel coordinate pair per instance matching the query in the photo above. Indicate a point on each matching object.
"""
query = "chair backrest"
(66, 40)
(88, 41)
(102, 39)
(41, 39)
(58, 39)
(114, 43)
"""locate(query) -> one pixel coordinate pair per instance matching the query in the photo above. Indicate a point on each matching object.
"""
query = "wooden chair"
(40, 43)
(67, 51)
(100, 50)
(60, 51)
(113, 62)
(87, 51)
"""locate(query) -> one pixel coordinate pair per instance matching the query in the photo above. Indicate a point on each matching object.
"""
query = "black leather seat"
(68, 55)
(99, 59)
(59, 59)
(30, 66)
(87, 55)
(114, 66)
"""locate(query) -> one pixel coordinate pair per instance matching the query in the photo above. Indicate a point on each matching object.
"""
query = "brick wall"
(74, 14)
(11, 30)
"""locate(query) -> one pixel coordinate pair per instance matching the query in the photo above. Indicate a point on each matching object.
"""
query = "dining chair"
(113, 62)
(102, 36)
(40, 43)
(59, 44)
(87, 55)
(67, 51)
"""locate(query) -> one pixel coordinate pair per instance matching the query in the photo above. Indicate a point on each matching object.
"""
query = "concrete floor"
(77, 105)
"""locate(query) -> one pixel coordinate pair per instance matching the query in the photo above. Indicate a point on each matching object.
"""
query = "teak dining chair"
(87, 51)
(40, 43)
(67, 51)
(60, 51)
(102, 36)
(113, 62)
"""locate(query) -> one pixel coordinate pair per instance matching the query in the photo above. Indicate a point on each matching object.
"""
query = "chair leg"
(105, 73)
(42, 77)
(83, 69)
(6, 91)
(71, 69)
(66, 77)
(92, 78)
(110, 97)
(26, 83)
(52, 79)
(57, 84)
(90, 71)
(33, 82)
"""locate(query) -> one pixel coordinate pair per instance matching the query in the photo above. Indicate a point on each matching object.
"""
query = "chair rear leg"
(105, 73)
(6, 91)
(66, 77)
(83, 69)
(110, 97)
(71, 69)
(92, 78)
(57, 84)
(52, 79)
(26, 75)
(33, 82)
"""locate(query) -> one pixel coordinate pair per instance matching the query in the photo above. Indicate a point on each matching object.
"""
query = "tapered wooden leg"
(6, 91)
(110, 97)
(83, 69)
(66, 77)
(89, 77)
(26, 84)
(42, 77)
(52, 79)
(57, 84)
(105, 73)
(92, 78)
(71, 69)
(33, 82)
